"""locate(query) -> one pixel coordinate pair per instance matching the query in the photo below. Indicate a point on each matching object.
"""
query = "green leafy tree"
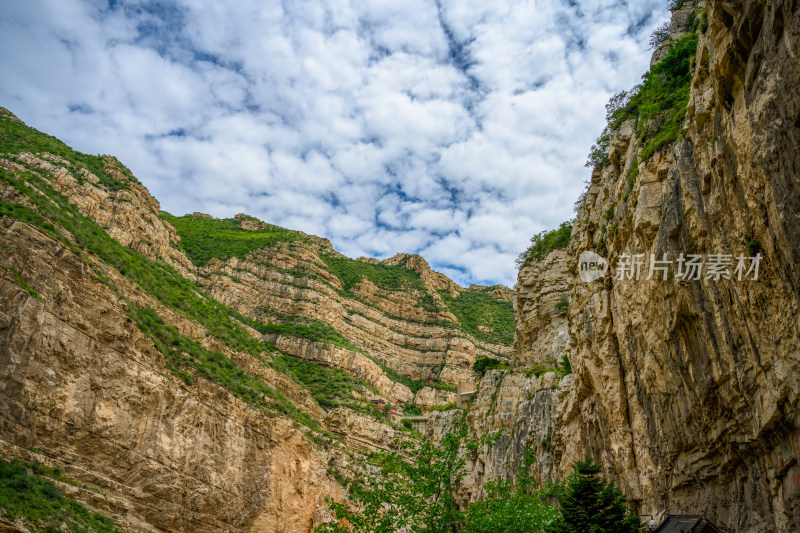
(514, 507)
(592, 504)
(415, 490)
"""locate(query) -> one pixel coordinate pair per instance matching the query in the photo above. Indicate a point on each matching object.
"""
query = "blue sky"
(453, 129)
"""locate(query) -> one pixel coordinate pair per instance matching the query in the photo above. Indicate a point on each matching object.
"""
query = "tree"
(592, 504)
(511, 507)
(659, 35)
(415, 490)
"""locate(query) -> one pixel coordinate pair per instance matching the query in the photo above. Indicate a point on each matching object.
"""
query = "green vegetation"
(412, 384)
(20, 281)
(418, 483)
(546, 441)
(444, 407)
(330, 388)
(659, 102)
(563, 305)
(545, 242)
(593, 504)
(158, 280)
(514, 506)
(753, 247)
(386, 277)
(702, 20)
(539, 369)
(482, 364)
(26, 494)
(409, 409)
(313, 330)
(189, 359)
(477, 309)
(598, 153)
(16, 138)
(416, 493)
(601, 247)
(659, 35)
(203, 238)
(565, 367)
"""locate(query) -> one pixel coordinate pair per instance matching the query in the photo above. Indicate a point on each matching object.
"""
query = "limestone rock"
(427, 397)
(542, 307)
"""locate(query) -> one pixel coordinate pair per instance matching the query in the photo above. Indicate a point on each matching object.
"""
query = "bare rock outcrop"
(542, 310)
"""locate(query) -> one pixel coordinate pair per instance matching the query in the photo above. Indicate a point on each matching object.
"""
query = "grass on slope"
(27, 495)
(16, 138)
(317, 331)
(188, 358)
(313, 330)
(476, 309)
(158, 280)
(386, 277)
(329, 387)
(55, 215)
(204, 238)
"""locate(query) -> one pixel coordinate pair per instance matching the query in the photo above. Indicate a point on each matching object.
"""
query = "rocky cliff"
(186, 388)
(194, 374)
(686, 388)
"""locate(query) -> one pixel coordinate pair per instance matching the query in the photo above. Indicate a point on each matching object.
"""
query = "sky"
(453, 129)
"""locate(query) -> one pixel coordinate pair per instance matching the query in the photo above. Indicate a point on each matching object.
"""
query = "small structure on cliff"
(687, 523)
(466, 391)
(419, 423)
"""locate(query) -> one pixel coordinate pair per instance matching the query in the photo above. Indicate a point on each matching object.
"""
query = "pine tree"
(592, 504)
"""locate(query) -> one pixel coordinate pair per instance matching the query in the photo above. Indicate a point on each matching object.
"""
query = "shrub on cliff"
(659, 102)
(545, 242)
(482, 364)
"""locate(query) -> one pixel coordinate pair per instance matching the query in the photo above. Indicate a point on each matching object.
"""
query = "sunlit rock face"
(84, 390)
(687, 391)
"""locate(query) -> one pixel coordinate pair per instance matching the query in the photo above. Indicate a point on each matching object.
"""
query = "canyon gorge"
(188, 373)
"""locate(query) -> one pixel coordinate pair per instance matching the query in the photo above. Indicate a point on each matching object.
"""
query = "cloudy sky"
(452, 128)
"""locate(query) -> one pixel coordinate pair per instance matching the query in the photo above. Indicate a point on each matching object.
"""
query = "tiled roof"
(686, 523)
(679, 523)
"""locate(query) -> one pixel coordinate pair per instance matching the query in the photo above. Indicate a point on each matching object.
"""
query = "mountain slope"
(219, 390)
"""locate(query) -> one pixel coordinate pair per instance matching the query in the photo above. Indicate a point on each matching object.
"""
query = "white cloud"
(455, 129)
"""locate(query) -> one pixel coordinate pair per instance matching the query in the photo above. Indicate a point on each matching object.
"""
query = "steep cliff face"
(223, 390)
(688, 390)
(89, 394)
(542, 310)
